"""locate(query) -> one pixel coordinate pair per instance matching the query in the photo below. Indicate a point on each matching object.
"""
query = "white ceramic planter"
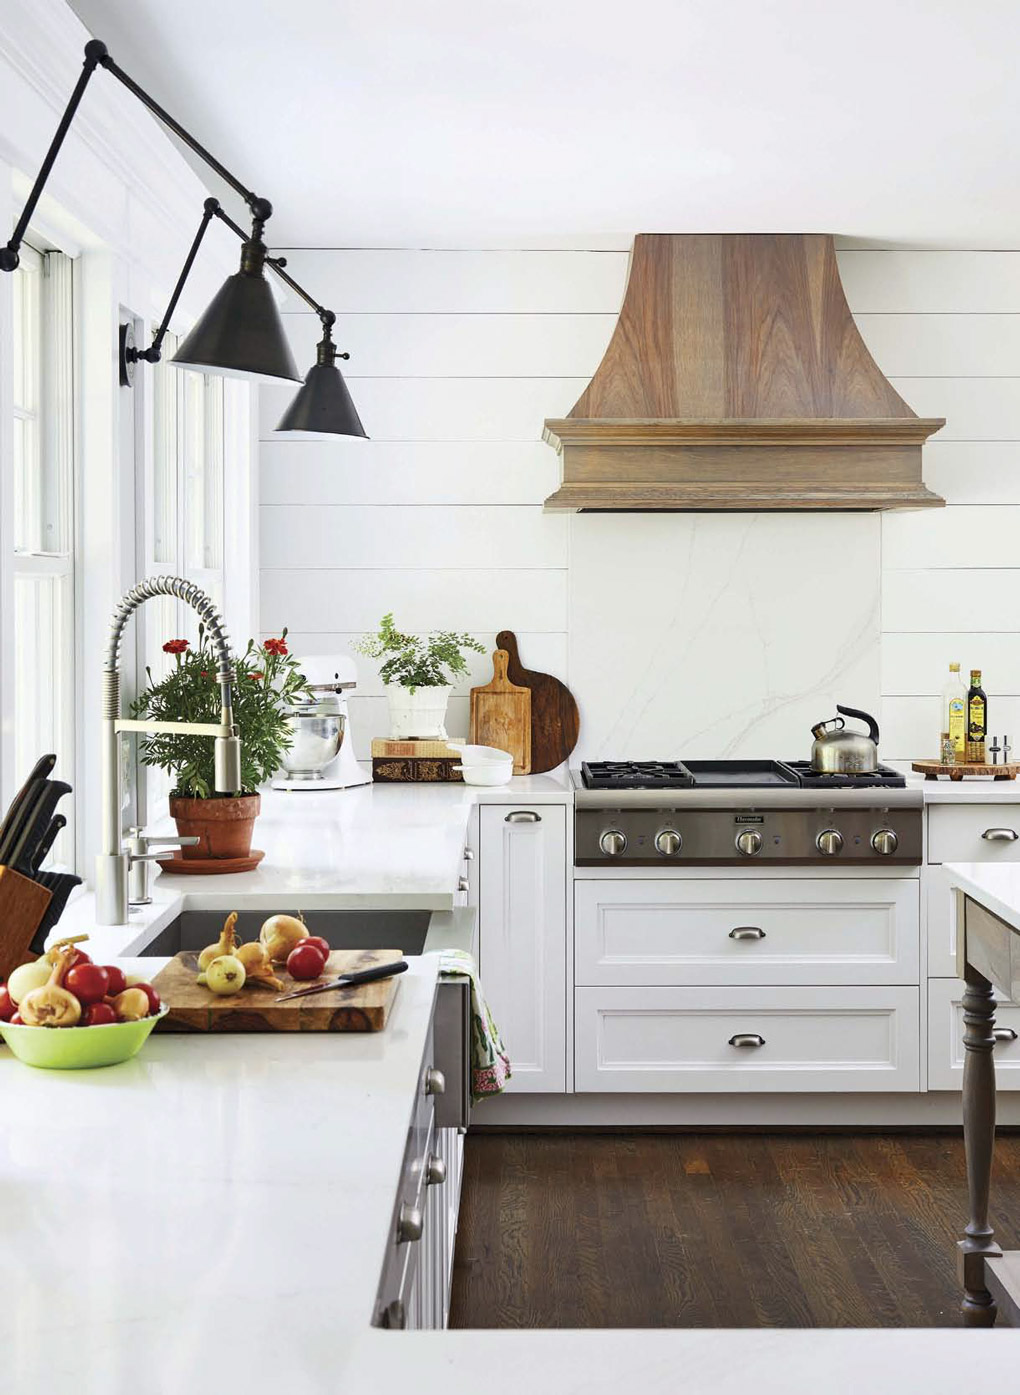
(418, 715)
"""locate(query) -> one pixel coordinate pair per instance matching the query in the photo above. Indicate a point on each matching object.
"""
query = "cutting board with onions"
(501, 715)
(362, 1008)
(555, 721)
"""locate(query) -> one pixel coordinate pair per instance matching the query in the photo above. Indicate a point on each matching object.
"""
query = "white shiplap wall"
(945, 327)
(457, 357)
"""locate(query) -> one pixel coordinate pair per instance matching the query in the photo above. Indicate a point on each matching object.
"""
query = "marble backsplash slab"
(720, 635)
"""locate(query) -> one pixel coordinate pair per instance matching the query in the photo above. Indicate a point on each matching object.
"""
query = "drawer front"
(974, 832)
(689, 1040)
(945, 1038)
(755, 932)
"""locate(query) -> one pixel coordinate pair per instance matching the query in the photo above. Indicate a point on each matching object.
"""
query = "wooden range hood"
(736, 379)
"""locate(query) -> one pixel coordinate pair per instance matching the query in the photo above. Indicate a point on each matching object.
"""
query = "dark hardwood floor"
(716, 1230)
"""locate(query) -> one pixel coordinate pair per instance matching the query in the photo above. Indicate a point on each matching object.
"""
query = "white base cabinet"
(945, 1038)
(522, 936)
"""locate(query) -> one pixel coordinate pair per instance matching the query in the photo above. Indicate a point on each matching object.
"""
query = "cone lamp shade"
(241, 334)
(323, 405)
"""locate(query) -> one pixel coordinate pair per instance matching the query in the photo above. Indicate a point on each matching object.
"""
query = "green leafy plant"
(413, 662)
(268, 681)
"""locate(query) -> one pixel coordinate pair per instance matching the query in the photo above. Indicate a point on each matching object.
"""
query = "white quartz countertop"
(211, 1217)
(996, 885)
(392, 847)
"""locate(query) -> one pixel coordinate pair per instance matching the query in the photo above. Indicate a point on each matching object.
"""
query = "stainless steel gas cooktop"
(713, 813)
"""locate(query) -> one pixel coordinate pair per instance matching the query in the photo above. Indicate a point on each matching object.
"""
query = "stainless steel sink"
(407, 931)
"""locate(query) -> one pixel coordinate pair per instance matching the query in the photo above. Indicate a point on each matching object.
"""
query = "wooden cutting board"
(501, 715)
(555, 721)
(362, 1008)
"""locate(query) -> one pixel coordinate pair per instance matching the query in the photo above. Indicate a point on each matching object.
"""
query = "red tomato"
(17, 1020)
(80, 957)
(151, 994)
(8, 1007)
(320, 944)
(88, 982)
(305, 961)
(117, 980)
(98, 1015)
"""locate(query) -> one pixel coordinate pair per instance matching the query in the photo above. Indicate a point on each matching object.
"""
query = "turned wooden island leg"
(979, 1143)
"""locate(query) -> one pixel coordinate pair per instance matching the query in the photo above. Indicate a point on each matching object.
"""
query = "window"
(44, 476)
(186, 536)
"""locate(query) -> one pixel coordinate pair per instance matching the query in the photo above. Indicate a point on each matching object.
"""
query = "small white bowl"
(487, 772)
(479, 755)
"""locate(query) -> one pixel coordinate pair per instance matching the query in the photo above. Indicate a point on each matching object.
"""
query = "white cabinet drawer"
(813, 931)
(945, 1038)
(973, 832)
(682, 1039)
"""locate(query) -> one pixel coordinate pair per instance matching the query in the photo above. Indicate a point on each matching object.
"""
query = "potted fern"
(417, 671)
(268, 680)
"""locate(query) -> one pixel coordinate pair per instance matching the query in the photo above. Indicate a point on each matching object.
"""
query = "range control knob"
(613, 843)
(829, 842)
(668, 842)
(749, 842)
(885, 842)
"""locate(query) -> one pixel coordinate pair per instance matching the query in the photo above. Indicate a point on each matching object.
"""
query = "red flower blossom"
(175, 646)
(276, 646)
(256, 677)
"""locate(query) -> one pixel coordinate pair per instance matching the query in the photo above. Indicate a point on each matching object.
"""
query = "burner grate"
(884, 777)
(635, 774)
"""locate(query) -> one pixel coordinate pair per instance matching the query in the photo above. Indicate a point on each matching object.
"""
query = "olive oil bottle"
(977, 719)
(954, 715)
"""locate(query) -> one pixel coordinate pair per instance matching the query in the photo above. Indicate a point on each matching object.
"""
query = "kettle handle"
(861, 717)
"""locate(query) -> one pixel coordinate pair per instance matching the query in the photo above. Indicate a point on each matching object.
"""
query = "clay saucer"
(178, 865)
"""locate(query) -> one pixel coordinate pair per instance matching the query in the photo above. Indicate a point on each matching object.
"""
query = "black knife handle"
(48, 839)
(379, 971)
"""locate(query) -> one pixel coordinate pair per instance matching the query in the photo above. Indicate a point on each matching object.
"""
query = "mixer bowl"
(317, 734)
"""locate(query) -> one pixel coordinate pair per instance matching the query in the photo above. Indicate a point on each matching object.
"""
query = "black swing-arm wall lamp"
(241, 333)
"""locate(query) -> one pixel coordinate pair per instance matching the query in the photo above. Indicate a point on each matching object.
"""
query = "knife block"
(23, 904)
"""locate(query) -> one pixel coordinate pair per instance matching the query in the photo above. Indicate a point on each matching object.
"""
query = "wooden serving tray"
(362, 1008)
(932, 769)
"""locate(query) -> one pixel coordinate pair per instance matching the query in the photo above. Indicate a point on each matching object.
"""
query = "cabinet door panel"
(945, 1038)
(522, 938)
(973, 833)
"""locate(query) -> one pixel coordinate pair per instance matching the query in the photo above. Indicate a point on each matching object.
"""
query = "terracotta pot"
(223, 826)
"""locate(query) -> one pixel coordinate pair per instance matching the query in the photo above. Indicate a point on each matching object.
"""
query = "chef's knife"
(34, 825)
(60, 885)
(347, 980)
(42, 768)
(48, 839)
(22, 819)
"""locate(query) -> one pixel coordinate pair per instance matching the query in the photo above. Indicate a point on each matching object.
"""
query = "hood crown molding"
(736, 378)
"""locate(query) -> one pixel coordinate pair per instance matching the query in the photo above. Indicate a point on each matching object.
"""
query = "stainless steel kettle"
(837, 751)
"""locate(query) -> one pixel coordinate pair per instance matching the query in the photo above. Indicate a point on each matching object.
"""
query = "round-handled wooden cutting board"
(555, 721)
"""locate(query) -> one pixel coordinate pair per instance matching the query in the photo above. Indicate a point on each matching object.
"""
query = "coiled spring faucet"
(113, 863)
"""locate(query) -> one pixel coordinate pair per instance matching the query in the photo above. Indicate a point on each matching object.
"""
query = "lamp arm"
(94, 53)
(261, 209)
(97, 56)
(153, 353)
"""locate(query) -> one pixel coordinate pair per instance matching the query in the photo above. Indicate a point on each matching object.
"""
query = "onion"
(131, 1005)
(52, 1005)
(226, 943)
(26, 977)
(225, 975)
(279, 935)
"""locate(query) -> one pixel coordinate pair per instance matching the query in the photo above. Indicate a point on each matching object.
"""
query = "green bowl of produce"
(79, 1048)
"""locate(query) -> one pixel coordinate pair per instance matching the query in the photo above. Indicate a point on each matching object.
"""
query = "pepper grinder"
(1006, 748)
(993, 751)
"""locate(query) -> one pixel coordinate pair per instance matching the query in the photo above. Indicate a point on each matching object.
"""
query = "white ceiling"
(580, 122)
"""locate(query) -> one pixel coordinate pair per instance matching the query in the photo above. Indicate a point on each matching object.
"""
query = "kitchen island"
(212, 1216)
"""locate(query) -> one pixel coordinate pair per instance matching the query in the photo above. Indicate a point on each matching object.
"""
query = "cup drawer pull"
(747, 932)
(1004, 1034)
(523, 816)
(1000, 835)
(746, 1039)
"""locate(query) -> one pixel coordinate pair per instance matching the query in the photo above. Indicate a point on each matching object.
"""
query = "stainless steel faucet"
(114, 862)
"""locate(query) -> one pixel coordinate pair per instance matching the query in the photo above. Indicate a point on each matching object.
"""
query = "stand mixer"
(322, 755)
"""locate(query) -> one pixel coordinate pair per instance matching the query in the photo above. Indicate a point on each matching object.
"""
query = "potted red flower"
(268, 680)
